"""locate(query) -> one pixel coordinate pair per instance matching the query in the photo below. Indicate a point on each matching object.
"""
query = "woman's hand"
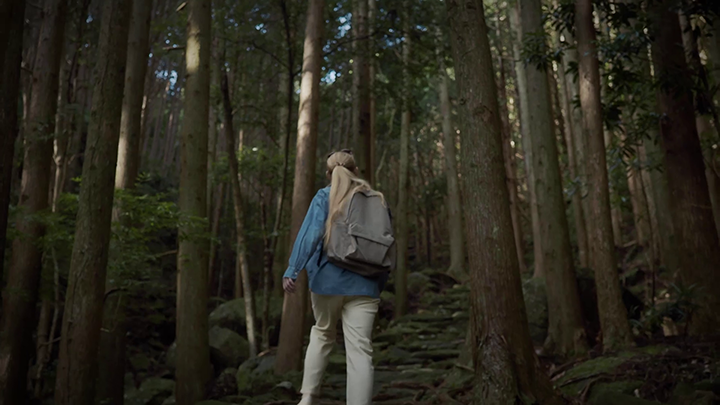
(288, 285)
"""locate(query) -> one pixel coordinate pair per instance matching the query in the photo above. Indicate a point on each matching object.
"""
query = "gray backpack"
(362, 238)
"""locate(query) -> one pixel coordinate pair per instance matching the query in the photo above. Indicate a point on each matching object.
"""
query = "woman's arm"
(310, 236)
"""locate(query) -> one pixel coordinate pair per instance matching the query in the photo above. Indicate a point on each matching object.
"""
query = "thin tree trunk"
(641, 215)
(696, 235)
(566, 333)
(159, 120)
(63, 128)
(506, 368)
(294, 307)
(193, 358)
(130, 127)
(508, 152)
(238, 203)
(77, 363)
(215, 230)
(613, 315)
(520, 67)
(577, 205)
(23, 278)
(372, 10)
(457, 244)
(361, 90)
(402, 228)
(9, 92)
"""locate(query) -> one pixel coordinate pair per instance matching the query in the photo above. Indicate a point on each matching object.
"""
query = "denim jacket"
(325, 278)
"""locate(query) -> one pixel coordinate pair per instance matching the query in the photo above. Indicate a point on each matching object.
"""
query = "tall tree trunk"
(525, 128)
(580, 141)
(240, 247)
(613, 315)
(294, 307)
(23, 278)
(402, 226)
(705, 128)
(565, 329)
(564, 93)
(507, 370)
(193, 357)
(65, 120)
(138, 48)
(361, 89)
(9, 92)
(111, 353)
(82, 319)
(372, 10)
(508, 152)
(696, 235)
(457, 244)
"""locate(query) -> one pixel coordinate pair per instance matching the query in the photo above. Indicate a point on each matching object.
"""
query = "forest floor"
(420, 360)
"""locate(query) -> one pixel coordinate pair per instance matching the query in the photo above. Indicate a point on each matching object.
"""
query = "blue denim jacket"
(325, 278)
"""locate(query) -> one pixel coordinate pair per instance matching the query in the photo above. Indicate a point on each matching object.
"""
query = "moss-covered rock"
(255, 376)
(418, 283)
(601, 390)
(576, 379)
(616, 398)
(231, 314)
(227, 348)
(152, 391)
(535, 297)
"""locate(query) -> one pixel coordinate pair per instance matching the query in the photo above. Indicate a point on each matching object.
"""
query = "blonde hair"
(344, 182)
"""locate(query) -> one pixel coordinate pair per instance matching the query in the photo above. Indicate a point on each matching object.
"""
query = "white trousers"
(358, 316)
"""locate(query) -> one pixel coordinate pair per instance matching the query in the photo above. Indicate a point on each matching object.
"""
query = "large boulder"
(227, 348)
(255, 372)
(535, 297)
(230, 315)
(418, 283)
(153, 391)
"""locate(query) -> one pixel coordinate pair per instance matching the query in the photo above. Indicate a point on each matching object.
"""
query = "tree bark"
(457, 244)
(193, 357)
(566, 333)
(111, 352)
(9, 92)
(705, 128)
(20, 296)
(507, 370)
(508, 152)
(564, 93)
(138, 49)
(361, 89)
(77, 364)
(613, 315)
(372, 144)
(696, 235)
(402, 226)
(238, 203)
(570, 57)
(525, 128)
(294, 307)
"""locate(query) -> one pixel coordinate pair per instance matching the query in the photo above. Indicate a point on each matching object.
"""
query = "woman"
(336, 293)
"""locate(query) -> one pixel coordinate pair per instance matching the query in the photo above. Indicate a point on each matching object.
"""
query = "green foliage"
(142, 219)
(679, 304)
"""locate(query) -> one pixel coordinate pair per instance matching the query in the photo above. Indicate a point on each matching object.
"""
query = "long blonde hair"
(344, 182)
